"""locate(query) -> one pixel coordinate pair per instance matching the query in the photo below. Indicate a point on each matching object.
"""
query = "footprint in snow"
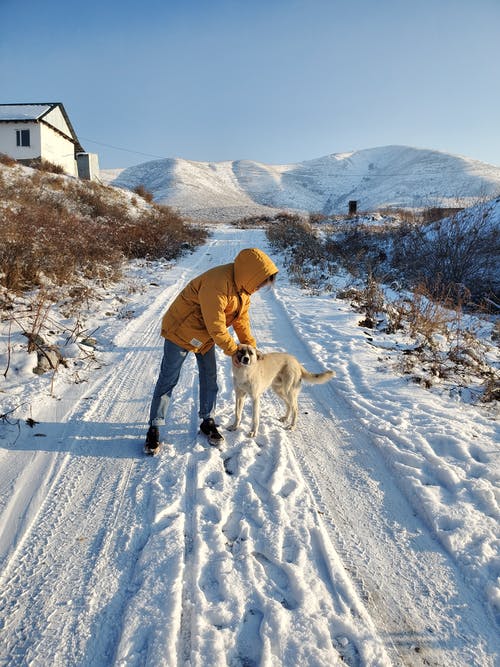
(210, 584)
(280, 579)
(249, 643)
(231, 465)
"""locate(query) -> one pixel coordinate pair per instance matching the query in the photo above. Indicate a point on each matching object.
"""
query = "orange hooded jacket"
(201, 314)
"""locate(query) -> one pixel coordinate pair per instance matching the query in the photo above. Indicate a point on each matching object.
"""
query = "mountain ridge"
(383, 177)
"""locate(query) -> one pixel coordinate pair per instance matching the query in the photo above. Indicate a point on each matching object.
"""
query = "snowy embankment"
(369, 536)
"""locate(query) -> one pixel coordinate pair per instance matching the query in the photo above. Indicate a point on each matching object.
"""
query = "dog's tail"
(316, 378)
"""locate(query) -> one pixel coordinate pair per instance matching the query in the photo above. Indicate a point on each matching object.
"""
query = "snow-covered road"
(333, 544)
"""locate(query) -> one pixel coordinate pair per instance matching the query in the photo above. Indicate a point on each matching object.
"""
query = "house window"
(23, 137)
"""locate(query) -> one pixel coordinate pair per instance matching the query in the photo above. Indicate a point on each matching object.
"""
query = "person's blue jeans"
(170, 369)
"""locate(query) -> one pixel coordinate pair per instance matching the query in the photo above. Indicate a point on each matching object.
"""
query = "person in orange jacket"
(198, 319)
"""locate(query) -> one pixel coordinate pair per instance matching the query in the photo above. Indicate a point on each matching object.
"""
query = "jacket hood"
(251, 268)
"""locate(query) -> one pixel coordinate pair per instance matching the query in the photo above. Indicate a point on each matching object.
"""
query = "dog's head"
(247, 355)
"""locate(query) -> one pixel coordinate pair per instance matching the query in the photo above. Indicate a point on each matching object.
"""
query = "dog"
(255, 372)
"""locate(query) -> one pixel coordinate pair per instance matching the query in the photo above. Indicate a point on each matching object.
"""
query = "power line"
(127, 150)
(366, 174)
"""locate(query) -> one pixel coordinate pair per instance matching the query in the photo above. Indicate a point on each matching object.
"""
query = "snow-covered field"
(369, 536)
(388, 176)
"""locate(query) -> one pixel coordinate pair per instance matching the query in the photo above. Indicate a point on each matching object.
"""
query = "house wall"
(58, 149)
(8, 140)
(88, 166)
(56, 118)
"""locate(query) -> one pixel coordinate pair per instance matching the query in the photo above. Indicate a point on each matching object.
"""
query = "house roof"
(24, 111)
(36, 111)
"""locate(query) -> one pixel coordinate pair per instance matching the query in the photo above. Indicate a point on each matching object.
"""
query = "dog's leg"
(285, 390)
(238, 409)
(255, 416)
(288, 392)
(288, 406)
(286, 416)
(278, 389)
(293, 406)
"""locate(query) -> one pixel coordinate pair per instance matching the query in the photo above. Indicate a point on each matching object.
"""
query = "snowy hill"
(395, 176)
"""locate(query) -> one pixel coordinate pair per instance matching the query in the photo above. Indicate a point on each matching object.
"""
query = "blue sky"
(277, 81)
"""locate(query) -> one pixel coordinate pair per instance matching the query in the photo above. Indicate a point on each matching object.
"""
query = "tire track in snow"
(190, 496)
(43, 560)
(75, 410)
(390, 554)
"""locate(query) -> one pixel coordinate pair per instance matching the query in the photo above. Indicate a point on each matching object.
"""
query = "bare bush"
(46, 165)
(141, 191)
(372, 302)
(55, 229)
(7, 160)
(304, 252)
(157, 233)
(436, 213)
(424, 315)
(462, 252)
(359, 249)
(43, 245)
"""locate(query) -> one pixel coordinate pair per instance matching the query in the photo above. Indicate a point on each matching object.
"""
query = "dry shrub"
(372, 302)
(359, 249)
(94, 200)
(304, 252)
(445, 347)
(56, 230)
(251, 221)
(448, 347)
(156, 233)
(141, 191)
(317, 218)
(42, 245)
(425, 316)
(294, 236)
(491, 390)
(46, 165)
(462, 251)
(7, 160)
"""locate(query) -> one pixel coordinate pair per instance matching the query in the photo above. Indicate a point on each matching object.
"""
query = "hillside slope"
(396, 176)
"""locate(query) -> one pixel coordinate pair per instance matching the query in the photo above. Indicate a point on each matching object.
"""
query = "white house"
(43, 131)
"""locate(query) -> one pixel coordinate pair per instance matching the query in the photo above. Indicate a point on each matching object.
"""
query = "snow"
(22, 111)
(388, 176)
(367, 537)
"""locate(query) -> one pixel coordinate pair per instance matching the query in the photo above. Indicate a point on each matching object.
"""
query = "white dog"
(257, 371)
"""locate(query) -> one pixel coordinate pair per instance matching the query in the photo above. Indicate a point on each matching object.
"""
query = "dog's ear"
(259, 354)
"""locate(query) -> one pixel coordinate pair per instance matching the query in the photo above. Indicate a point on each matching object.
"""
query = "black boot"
(152, 444)
(209, 428)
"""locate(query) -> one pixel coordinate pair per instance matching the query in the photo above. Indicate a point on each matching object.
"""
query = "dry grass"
(56, 229)
(7, 160)
(144, 193)
(64, 242)
(46, 165)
